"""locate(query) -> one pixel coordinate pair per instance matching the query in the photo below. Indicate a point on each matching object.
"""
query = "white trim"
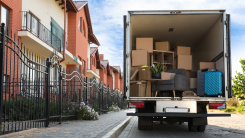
(93, 73)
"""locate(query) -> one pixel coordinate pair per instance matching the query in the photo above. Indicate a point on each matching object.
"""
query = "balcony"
(31, 23)
(37, 38)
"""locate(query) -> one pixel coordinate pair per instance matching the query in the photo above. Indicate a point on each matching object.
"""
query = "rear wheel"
(192, 128)
(201, 128)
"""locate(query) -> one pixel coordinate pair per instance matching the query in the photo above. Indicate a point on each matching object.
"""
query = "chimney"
(101, 56)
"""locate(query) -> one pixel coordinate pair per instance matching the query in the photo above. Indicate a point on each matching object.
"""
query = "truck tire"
(145, 123)
(192, 128)
(201, 128)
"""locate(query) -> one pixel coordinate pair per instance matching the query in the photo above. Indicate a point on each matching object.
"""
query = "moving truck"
(207, 33)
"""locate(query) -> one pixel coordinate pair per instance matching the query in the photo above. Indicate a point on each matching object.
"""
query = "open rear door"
(228, 42)
(124, 55)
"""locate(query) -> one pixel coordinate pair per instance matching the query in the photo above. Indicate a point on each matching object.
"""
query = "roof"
(93, 51)
(116, 68)
(70, 6)
(104, 62)
(80, 4)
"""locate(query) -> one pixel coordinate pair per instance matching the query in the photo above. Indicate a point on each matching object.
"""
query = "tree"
(238, 86)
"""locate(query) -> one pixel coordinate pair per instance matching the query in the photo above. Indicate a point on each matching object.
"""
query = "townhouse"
(40, 25)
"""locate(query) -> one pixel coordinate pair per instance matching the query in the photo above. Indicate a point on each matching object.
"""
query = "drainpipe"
(64, 48)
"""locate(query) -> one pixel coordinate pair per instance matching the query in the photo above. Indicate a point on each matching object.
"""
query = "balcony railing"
(32, 24)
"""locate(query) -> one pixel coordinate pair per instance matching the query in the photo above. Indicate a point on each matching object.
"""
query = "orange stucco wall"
(103, 76)
(117, 81)
(11, 67)
(93, 64)
(109, 81)
(121, 85)
(77, 43)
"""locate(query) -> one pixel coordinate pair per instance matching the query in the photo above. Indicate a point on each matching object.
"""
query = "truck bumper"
(178, 115)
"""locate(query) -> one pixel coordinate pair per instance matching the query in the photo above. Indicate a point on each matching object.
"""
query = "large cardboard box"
(140, 58)
(206, 65)
(193, 83)
(184, 62)
(140, 90)
(163, 46)
(191, 74)
(182, 50)
(145, 73)
(132, 70)
(145, 43)
(167, 76)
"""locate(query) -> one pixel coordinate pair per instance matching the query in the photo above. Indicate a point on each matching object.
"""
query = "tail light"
(217, 105)
(189, 110)
(136, 105)
(163, 110)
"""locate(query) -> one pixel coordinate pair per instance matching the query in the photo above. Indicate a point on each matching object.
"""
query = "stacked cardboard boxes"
(183, 57)
(141, 68)
(184, 61)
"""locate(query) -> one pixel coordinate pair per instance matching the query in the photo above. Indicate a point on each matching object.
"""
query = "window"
(83, 69)
(79, 67)
(79, 24)
(5, 81)
(4, 15)
(83, 30)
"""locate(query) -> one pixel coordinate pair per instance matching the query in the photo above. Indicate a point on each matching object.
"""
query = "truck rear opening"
(206, 34)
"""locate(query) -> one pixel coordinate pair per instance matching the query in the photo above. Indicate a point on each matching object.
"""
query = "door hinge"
(127, 55)
(175, 12)
(225, 22)
(226, 54)
(221, 19)
(227, 88)
(127, 23)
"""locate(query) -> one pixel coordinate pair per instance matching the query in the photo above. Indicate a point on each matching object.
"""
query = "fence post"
(86, 88)
(102, 92)
(2, 53)
(79, 90)
(47, 94)
(60, 94)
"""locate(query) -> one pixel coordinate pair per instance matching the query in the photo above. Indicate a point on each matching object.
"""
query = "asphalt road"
(219, 127)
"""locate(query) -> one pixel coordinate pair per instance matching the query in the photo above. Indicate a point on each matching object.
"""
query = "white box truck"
(207, 32)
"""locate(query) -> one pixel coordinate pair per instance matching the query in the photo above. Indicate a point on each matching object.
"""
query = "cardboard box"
(193, 83)
(140, 58)
(163, 46)
(145, 43)
(191, 74)
(145, 73)
(206, 65)
(167, 76)
(184, 62)
(140, 90)
(182, 50)
(132, 70)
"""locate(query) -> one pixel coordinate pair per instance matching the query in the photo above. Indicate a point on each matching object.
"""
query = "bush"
(230, 109)
(86, 113)
(114, 108)
(23, 109)
(232, 102)
(241, 109)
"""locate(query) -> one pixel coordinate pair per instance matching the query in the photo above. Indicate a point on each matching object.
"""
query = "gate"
(35, 92)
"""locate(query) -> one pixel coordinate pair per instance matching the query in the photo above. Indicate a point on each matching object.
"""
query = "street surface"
(82, 128)
(222, 127)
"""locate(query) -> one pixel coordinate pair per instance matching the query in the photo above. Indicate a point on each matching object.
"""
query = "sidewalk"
(82, 128)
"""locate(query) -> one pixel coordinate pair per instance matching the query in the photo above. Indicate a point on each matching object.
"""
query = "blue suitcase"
(200, 80)
(213, 84)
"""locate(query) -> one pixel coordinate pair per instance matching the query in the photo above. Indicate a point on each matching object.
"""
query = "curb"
(17, 134)
(118, 129)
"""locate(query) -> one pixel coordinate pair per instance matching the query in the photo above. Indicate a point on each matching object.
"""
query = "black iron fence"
(30, 23)
(36, 92)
